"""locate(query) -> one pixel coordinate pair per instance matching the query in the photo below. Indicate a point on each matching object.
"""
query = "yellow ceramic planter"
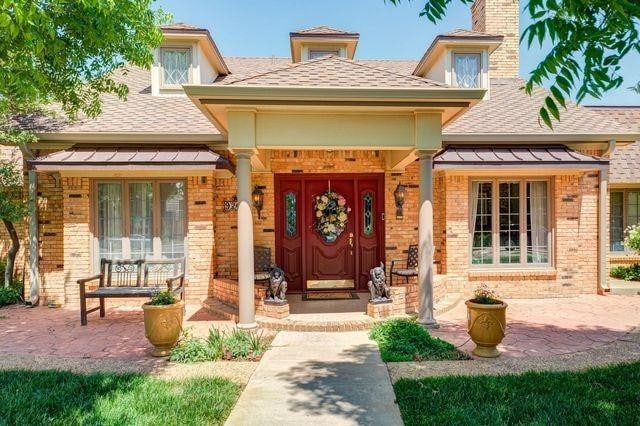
(486, 325)
(162, 326)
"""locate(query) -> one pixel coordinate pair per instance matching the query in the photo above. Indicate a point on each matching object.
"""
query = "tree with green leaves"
(63, 53)
(590, 39)
(13, 209)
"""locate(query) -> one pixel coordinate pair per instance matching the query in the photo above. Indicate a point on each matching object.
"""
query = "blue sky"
(261, 28)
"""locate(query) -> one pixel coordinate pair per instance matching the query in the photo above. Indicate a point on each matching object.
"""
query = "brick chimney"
(500, 17)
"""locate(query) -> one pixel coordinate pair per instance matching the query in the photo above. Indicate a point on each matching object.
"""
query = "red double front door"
(310, 261)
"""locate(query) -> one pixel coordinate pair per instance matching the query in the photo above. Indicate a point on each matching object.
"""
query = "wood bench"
(131, 278)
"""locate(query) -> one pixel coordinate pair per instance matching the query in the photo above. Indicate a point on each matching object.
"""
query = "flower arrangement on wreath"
(331, 215)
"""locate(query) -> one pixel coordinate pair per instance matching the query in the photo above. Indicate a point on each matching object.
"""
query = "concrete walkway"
(319, 379)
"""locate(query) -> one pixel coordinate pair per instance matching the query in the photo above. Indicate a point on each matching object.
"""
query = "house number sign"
(230, 205)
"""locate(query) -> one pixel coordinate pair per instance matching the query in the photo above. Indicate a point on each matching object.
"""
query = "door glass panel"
(109, 220)
(367, 213)
(509, 222)
(290, 214)
(141, 219)
(172, 219)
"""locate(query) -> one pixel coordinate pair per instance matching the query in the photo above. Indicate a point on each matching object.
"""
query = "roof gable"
(331, 71)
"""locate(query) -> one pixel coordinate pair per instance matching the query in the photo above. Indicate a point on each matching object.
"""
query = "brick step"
(447, 303)
(322, 325)
(221, 309)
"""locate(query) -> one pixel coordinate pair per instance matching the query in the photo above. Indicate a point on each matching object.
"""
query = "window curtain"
(172, 220)
(141, 219)
(538, 214)
(110, 220)
(475, 190)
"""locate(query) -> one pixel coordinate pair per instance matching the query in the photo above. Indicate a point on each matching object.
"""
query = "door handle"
(351, 239)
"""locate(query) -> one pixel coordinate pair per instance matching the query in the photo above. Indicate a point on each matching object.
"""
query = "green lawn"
(599, 396)
(406, 340)
(54, 397)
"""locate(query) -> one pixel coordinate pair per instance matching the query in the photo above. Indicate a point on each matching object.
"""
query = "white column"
(603, 240)
(34, 274)
(246, 277)
(425, 241)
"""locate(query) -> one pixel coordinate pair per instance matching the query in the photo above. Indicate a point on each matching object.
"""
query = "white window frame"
(323, 52)
(163, 50)
(481, 69)
(495, 222)
(126, 217)
(625, 217)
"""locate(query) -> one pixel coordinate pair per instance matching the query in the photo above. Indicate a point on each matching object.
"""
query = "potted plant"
(163, 322)
(486, 321)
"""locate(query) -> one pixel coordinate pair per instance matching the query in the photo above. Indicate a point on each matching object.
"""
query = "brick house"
(445, 152)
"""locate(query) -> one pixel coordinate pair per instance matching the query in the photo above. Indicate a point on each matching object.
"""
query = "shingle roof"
(459, 32)
(625, 161)
(324, 30)
(140, 113)
(510, 156)
(330, 71)
(181, 26)
(509, 111)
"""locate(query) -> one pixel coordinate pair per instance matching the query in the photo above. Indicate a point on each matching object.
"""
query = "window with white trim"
(319, 53)
(140, 219)
(467, 68)
(624, 205)
(176, 64)
(509, 222)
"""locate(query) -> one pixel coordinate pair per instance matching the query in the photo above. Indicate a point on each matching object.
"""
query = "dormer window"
(176, 63)
(319, 53)
(467, 69)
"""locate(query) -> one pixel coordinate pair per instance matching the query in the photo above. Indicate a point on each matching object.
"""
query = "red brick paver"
(57, 332)
(535, 328)
(547, 327)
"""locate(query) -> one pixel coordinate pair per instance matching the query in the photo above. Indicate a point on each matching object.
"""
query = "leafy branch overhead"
(589, 38)
(65, 52)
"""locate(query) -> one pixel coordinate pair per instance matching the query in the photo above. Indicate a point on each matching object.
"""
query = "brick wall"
(575, 222)
(500, 17)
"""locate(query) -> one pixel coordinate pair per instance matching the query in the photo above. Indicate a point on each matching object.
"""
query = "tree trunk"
(13, 251)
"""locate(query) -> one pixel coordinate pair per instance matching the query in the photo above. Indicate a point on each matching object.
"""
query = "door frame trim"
(279, 212)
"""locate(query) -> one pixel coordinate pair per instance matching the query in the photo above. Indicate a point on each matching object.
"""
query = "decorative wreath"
(331, 215)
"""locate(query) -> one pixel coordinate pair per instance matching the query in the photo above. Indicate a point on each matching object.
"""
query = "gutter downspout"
(34, 272)
(603, 203)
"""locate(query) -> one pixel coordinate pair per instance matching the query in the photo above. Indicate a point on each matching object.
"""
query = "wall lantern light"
(398, 195)
(258, 200)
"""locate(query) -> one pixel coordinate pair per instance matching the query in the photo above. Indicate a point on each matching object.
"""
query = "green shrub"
(193, 349)
(12, 294)
(627, 273)
(632, 238)
(239, 344)
(163, 298)
(406, 340)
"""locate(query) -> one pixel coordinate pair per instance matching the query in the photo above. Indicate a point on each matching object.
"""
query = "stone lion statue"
(380, 292)
(277, 288)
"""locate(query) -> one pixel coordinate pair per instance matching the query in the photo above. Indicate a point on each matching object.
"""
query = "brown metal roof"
(100, 158)
(514, 157)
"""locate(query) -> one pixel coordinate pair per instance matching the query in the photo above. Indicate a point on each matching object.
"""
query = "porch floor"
(536, 328)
